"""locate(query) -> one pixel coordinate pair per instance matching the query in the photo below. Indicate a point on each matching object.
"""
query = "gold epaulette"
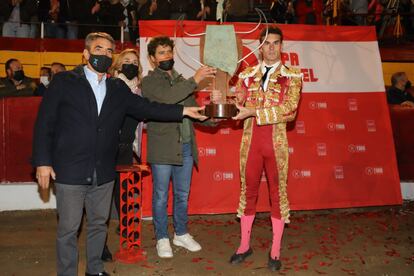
(249, 72)
(290, 72)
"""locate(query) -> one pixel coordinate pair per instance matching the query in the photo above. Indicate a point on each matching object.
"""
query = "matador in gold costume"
(268, 97)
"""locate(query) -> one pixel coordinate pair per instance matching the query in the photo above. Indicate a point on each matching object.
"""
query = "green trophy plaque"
(221, 49)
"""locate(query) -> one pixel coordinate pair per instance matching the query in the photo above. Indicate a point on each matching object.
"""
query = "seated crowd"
(73, 19)
(16, 83)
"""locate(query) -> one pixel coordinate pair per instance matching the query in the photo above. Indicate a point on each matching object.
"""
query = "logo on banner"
(300, 127)
(202, 151)
(352, 104)
(321, 149)
(291, 150)
(318, 105)
(336, 126)
(374, 171)
(301, 173)
(225, 131)
(356, 148)
(339, 172)
(371, 127)
(223, 176)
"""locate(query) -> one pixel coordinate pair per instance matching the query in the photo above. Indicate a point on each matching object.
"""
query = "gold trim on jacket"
(277, 106)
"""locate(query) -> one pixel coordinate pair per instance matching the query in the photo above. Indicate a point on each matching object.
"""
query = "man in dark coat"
(76, 141)
(16, 83)
(398, 93)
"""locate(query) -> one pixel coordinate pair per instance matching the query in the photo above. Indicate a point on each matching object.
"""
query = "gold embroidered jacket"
(277, 106)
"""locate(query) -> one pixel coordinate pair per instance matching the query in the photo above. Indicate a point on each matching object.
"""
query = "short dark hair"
(396, 77)
(61, 65)
(47, 69)
(157, 41)
(271, 30)
(8, 62)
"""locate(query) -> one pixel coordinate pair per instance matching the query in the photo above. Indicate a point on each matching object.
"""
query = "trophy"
(221, 49)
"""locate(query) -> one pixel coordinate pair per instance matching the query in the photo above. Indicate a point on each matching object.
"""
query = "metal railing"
(389, 20)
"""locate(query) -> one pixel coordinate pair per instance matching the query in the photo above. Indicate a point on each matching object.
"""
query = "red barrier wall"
(18, 117)
(403, 131)
(327, 168)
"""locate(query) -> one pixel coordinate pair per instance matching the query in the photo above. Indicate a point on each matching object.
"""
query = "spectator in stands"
(398, 93)
(282, 11)
(17, 15)
(179, 8)
(236, 10)
(360, 9)
(410, 29)
(111, 14)
(45, 78)
(220, 10)
(309, 12)
(407, 20)
(75, 142)
(16, 83)
(57, 67)
(202, 10)
(59, 17)
(154, 10)
(87, 15)
(171, 157)
(192, 9)
(132, 15)
(48, 14)
(376, 7)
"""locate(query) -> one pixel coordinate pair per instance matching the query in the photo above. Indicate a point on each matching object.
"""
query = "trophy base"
(223, 111)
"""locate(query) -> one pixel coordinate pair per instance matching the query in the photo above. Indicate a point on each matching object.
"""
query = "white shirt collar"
(92, 76)
(274, 66)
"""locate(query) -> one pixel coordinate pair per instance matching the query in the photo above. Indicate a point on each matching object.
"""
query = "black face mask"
(408, 85)
(100, 63)
(166, 65)
(18, 75)
(129, 70)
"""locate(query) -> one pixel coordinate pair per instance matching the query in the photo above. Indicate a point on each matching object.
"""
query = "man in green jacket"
(171, 147)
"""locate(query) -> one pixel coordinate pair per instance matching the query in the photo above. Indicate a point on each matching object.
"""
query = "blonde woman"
(127, 68)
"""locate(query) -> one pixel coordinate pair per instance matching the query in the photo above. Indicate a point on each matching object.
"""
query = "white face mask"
(44, 80)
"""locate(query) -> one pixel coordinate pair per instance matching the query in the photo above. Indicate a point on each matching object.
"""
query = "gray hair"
(396, 77)
(94, 36)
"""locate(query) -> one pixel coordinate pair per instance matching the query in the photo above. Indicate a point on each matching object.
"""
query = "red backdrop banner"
(341, 146)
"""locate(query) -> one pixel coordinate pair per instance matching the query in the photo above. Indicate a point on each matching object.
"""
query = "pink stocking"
(246, 223)
(277, 226)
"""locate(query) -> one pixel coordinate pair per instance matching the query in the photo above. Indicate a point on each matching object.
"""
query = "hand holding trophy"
(219, 49)
(204, 72)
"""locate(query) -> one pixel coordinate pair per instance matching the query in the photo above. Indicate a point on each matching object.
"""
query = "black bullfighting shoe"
(274, 264)
(239, 258)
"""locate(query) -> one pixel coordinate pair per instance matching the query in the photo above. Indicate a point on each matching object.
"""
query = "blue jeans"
(54, 30)
(11, 29)
(181, 178)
